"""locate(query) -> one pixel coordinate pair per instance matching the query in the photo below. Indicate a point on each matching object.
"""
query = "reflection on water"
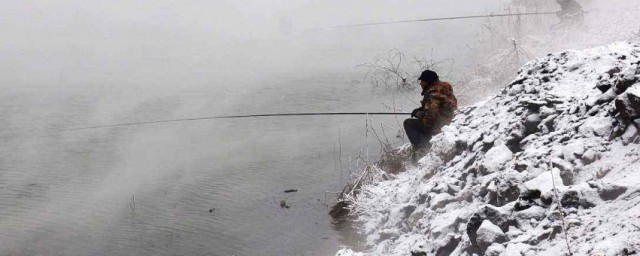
(209, 187)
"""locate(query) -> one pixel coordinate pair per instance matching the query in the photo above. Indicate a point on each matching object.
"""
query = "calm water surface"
(210, 187)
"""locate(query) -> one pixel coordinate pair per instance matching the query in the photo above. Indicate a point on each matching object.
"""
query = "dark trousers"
(418, 134)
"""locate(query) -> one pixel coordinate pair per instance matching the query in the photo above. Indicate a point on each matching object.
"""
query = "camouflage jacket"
(439, 105)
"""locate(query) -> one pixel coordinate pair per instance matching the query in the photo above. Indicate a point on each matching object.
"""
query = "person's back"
(436, 110)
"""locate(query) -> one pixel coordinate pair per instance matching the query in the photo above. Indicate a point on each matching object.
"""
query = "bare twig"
(557, 197)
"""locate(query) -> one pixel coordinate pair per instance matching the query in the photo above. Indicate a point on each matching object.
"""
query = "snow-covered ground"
(548, 166)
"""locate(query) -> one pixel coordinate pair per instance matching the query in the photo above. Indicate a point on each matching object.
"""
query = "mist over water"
(210, 187)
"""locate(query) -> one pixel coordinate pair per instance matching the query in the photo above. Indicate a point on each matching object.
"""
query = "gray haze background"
(66, 64)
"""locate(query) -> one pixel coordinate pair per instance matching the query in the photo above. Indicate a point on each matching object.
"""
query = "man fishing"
(436, 110)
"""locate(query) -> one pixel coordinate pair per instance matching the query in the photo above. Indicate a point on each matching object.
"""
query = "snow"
(511, 173)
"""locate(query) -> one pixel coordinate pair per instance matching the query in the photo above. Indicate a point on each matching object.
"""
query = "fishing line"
(437, 19)
(233, 116)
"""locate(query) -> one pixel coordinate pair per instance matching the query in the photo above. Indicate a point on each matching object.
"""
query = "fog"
(169, 44)
(68, 64)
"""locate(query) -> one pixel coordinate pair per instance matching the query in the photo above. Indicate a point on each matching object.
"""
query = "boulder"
(488, 234)
(627, 79)
(531, 123)
(495, 159)
(599, 126)
(628, 103)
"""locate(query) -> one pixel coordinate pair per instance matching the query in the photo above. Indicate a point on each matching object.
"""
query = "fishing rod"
(437, 19)
(235, 116)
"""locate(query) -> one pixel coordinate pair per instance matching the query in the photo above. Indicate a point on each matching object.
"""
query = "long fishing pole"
(437, 19)
(235, 116)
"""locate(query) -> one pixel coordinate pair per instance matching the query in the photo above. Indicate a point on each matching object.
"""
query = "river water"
(210, 187)
(207, 187)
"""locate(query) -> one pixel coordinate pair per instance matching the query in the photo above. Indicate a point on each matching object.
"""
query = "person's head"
(427, 78)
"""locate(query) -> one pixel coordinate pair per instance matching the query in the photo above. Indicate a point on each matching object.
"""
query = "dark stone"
(549, 233)
(614, 71)
(628, 105)
(513, 143)
(546, 199)
(423, 198)
(622, 84)
(472, 227)
(510, 194)
(448, 248)
(521, 166)
(496, 217)
(519, 81)
(629, 251)
(521, 205)
(611, 192)
(570, 199)
(408, 210)
(530, 194)
(416, 253)
(604, 85)
(531, 124)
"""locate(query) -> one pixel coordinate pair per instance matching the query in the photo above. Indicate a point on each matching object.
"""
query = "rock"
(570, 199)
(496, 215)
(546, 125)
(589, 156)
(599, 126)
(489, 233)
(627, 78)
(493, 214)
(533, 105)
(501, 190)
(472, 227)
(606, 97)
(547, 111)
(561, 164)
(524, 143)
(408, 210)
(566, 170)
(572, 151)
(515, 89)
(450, 245)
(628, 103)
(494, 250)
(527, 199)
(531, 123)
(418, 253)
(495, 159)
(630, 135)
(608, 191)
(544, 181)
(534, 212)
(605, 81)
(440, 200)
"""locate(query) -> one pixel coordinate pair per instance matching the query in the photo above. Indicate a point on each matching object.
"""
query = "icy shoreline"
(492, 183)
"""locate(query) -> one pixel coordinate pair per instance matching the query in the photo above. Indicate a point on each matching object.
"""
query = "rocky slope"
(549, 166)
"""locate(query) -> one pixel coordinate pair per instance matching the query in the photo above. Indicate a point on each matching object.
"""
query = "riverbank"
(546, 167)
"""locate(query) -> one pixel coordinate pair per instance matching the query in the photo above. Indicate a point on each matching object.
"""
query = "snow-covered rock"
(556, 150)
(488, 234)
